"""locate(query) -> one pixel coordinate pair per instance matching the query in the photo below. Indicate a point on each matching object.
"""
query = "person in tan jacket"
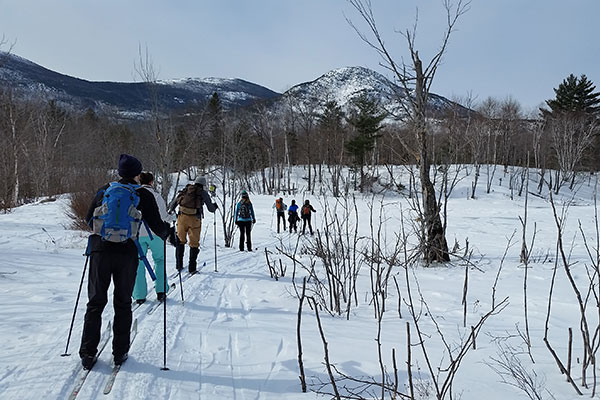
(190, 200)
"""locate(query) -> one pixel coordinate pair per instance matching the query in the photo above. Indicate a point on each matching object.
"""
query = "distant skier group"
(305, 214)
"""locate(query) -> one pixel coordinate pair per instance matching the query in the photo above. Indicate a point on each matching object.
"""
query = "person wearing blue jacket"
(293, 216)
(244, 219)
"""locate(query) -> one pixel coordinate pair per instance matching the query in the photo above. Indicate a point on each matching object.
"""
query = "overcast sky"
(518, 48)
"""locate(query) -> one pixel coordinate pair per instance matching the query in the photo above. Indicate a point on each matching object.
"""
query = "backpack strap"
(147, 229)
(144, 259)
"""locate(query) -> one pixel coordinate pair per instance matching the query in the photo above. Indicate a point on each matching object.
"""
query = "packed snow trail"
(212, 339)
(217, 326)
(235, 335)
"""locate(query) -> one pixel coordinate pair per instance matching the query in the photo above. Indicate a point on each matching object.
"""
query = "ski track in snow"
(234, 336)
(216, 302)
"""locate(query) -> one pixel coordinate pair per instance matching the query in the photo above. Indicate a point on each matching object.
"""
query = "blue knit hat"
(129, 166)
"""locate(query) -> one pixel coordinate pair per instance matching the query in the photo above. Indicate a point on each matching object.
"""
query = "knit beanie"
(129, 166)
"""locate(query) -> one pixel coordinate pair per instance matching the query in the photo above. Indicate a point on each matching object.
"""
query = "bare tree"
(571, 135)
(415, 80)
(159, 126)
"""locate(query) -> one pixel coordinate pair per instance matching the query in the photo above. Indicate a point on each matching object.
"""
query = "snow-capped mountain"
(181, 95)
(34, 80)
(343, 85)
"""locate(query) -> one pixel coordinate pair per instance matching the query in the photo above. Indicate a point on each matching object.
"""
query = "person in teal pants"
(156, 245)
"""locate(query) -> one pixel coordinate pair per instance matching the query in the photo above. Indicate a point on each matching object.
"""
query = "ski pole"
(87, 258)
(178, 271)
(164, 368)
(215, 235)
(181, 286)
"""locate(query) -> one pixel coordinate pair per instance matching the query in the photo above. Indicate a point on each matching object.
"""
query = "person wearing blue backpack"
(115, 215)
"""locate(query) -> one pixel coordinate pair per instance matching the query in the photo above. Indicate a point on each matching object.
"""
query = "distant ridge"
(34, 80)
(182, 95)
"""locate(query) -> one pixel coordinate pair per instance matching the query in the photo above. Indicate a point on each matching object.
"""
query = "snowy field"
(234, 337)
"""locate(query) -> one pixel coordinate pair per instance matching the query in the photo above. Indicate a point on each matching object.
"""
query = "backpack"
(305, 210)
(117, 219)
(244, 212)
(190, 200)
(278, 205)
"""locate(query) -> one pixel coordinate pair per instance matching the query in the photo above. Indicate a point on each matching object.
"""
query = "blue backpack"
(117, 219)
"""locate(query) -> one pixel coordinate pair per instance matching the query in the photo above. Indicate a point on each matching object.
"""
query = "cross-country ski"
(83, 374)
(113, 375)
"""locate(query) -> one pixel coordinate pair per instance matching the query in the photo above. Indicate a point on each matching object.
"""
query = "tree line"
(49, 149)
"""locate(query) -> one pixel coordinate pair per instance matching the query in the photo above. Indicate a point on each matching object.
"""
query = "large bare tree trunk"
(415, 81)
(435, 247)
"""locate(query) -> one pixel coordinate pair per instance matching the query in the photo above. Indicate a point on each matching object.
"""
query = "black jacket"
(150, 214)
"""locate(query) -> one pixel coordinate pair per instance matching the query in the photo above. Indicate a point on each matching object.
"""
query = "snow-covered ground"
(234, 337)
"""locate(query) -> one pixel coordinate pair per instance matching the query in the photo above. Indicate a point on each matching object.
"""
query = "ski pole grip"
(88, 247)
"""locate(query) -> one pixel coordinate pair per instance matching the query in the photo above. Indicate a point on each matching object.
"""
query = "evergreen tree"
(214, 114)
(575, 95)
(571, 126)
(331, 126)
(366, 118)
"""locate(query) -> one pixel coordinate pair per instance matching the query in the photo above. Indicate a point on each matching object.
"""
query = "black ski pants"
(293, 220)
(280, 217)
(306, 219)
(121, 267)
(245, 229)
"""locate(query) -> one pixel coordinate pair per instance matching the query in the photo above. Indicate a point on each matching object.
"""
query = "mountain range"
(135, 99)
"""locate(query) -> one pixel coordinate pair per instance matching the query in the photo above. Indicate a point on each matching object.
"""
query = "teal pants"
(157, 247)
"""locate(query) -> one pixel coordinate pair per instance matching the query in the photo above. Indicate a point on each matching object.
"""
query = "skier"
(116, 256)
(244, 219)
(293, 216)
(189, 220)
(280, 207)
(156, 246)
(306, 213)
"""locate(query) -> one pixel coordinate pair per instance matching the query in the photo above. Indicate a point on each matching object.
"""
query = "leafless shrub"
(276, 271)
(509, 366)
(78, 207)
(336, 251)
(589, 323)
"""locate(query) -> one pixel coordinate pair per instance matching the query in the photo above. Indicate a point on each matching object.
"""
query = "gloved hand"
(172, 237)
(216, 206)
(253, 221)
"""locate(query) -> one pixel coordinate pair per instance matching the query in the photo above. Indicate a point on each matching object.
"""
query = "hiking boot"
(120, 359)
(179, 251)
(192, 267)
(140, 301)
(87, 362)
(161, 296)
